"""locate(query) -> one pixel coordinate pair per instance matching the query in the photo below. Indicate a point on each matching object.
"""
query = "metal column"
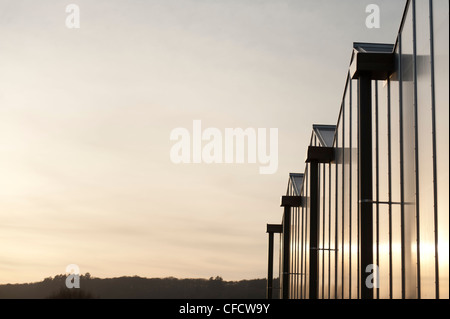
(270, 269)
(314, 231)
(370, 61)
(286, 251)
(365, 182)
(271, 229)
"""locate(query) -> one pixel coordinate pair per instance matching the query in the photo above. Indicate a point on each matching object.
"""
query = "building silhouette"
(368, 217)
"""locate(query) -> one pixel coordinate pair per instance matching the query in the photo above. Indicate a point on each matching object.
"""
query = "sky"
(86, 116)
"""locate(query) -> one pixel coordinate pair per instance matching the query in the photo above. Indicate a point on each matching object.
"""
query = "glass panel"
(425, 151)
(302, 236)
(299, 234)
(276, 265)
(307, 246)
(383, 192)
(302, 216)
(384, 252)
(291, 258)
(293, 250)
(441, 60)
(333, 245)
(408, 156)
(395, 182)
(396, 253)
(297, 252)
(354, 189)
(326, 210)
(346, 196)
(376, 176)
(321, 230)
(339, 166)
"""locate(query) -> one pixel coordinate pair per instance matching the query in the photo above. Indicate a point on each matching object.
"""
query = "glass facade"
(440, 18)
(410, 177)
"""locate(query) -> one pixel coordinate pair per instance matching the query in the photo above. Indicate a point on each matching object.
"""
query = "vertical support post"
(370, 61)
(271, 229)
(314, 231)
(286, 250)
(365, 181)
(270, 268)
(316, 155)
(435, 189)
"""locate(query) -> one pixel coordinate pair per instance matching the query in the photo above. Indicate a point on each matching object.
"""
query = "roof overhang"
(274, 228)
(373, 59)
(291, 201)
(320, 154)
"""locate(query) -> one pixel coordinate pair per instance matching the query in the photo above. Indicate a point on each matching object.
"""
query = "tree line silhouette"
(137, 288)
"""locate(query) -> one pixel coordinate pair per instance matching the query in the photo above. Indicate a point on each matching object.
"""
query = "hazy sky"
(86, 115)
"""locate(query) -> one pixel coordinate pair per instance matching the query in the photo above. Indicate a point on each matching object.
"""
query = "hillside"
(138, 288)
